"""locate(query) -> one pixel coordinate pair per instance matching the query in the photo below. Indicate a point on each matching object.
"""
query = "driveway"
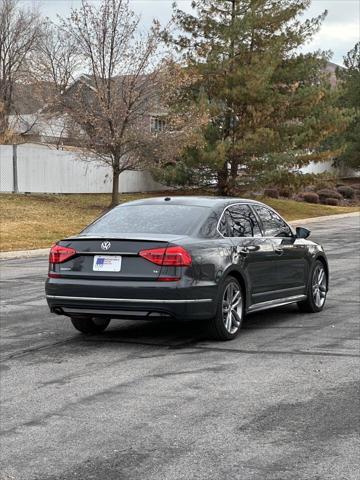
(159, 401)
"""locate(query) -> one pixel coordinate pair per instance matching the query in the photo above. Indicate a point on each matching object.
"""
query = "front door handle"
(248, 249)
(279, 251)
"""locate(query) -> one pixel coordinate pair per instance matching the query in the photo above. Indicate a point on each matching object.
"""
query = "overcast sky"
(339, 33)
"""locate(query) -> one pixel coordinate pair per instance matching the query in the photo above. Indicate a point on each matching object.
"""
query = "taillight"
(167, 257)
(155, 255)
(59, 254)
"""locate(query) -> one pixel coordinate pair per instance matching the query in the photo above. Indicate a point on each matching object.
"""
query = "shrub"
(285, 192)
(271, 192)
(299, 197)
(328, 193)
(346, 192)
(322, 184)
(311, 197)
(331, 201)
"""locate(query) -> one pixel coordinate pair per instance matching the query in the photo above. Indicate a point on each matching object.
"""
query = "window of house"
(239, 221)
(157, 124)
(274, 226)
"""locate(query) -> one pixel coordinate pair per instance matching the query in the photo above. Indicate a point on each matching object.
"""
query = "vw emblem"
(105, 245)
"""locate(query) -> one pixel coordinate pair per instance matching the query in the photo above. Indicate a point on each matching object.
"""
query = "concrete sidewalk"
(40, 252)
(45, 251)
(324, 217)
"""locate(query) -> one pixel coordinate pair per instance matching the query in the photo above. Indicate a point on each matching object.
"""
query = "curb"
(45, 251)
(24, 254)
(324, 217)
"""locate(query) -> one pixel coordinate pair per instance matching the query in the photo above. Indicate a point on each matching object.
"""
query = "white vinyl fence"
(36, 168)
(319, 167)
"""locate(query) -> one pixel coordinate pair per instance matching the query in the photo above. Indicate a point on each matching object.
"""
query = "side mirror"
(302, 232)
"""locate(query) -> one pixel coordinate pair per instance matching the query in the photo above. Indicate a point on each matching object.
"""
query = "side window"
(225, 225)
(209, 228)
(239, 221)
(274, 226)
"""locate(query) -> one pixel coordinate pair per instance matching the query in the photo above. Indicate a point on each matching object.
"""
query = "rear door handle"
(279, 251)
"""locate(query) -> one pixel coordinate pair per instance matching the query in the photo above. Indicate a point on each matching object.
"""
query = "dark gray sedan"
(186, 258)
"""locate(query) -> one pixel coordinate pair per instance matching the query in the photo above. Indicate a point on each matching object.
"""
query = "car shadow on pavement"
(186, 333)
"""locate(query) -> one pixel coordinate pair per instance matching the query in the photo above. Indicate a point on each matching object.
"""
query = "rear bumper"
(145, 300)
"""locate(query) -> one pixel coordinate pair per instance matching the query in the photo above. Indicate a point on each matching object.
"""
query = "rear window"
(167, 219)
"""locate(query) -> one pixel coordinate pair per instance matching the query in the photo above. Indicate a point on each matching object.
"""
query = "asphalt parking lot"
(159, 401)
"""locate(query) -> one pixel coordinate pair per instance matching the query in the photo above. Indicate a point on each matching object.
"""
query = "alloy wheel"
(319, 286)
(232, 307)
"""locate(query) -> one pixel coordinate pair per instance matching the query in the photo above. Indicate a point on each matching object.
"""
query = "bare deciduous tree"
(19, 34)
(184, 117)
(57, 61)
(111, 100)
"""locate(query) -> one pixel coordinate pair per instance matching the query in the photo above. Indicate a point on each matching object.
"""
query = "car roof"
(199, 201)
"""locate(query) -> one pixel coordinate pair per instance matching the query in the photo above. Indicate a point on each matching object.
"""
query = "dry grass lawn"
(36, 221)
(292, 210)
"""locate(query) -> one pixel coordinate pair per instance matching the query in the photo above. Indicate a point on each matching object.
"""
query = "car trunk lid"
(106, 257)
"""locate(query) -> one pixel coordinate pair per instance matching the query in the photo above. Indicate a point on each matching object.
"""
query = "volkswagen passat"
(185, 258)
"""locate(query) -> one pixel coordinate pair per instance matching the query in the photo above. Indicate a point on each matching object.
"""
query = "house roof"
(331, 69)
(29, 98)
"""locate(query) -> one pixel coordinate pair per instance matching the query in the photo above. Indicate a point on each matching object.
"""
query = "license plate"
(107, 263)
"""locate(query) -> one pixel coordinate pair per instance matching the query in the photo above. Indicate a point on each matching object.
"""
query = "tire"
(89, 324)
(317, 289)
(226, 325)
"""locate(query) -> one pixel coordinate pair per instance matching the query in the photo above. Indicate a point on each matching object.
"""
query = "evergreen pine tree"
(350, 99)
(270, 107)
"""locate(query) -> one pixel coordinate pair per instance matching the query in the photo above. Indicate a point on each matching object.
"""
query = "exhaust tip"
(57, 311)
